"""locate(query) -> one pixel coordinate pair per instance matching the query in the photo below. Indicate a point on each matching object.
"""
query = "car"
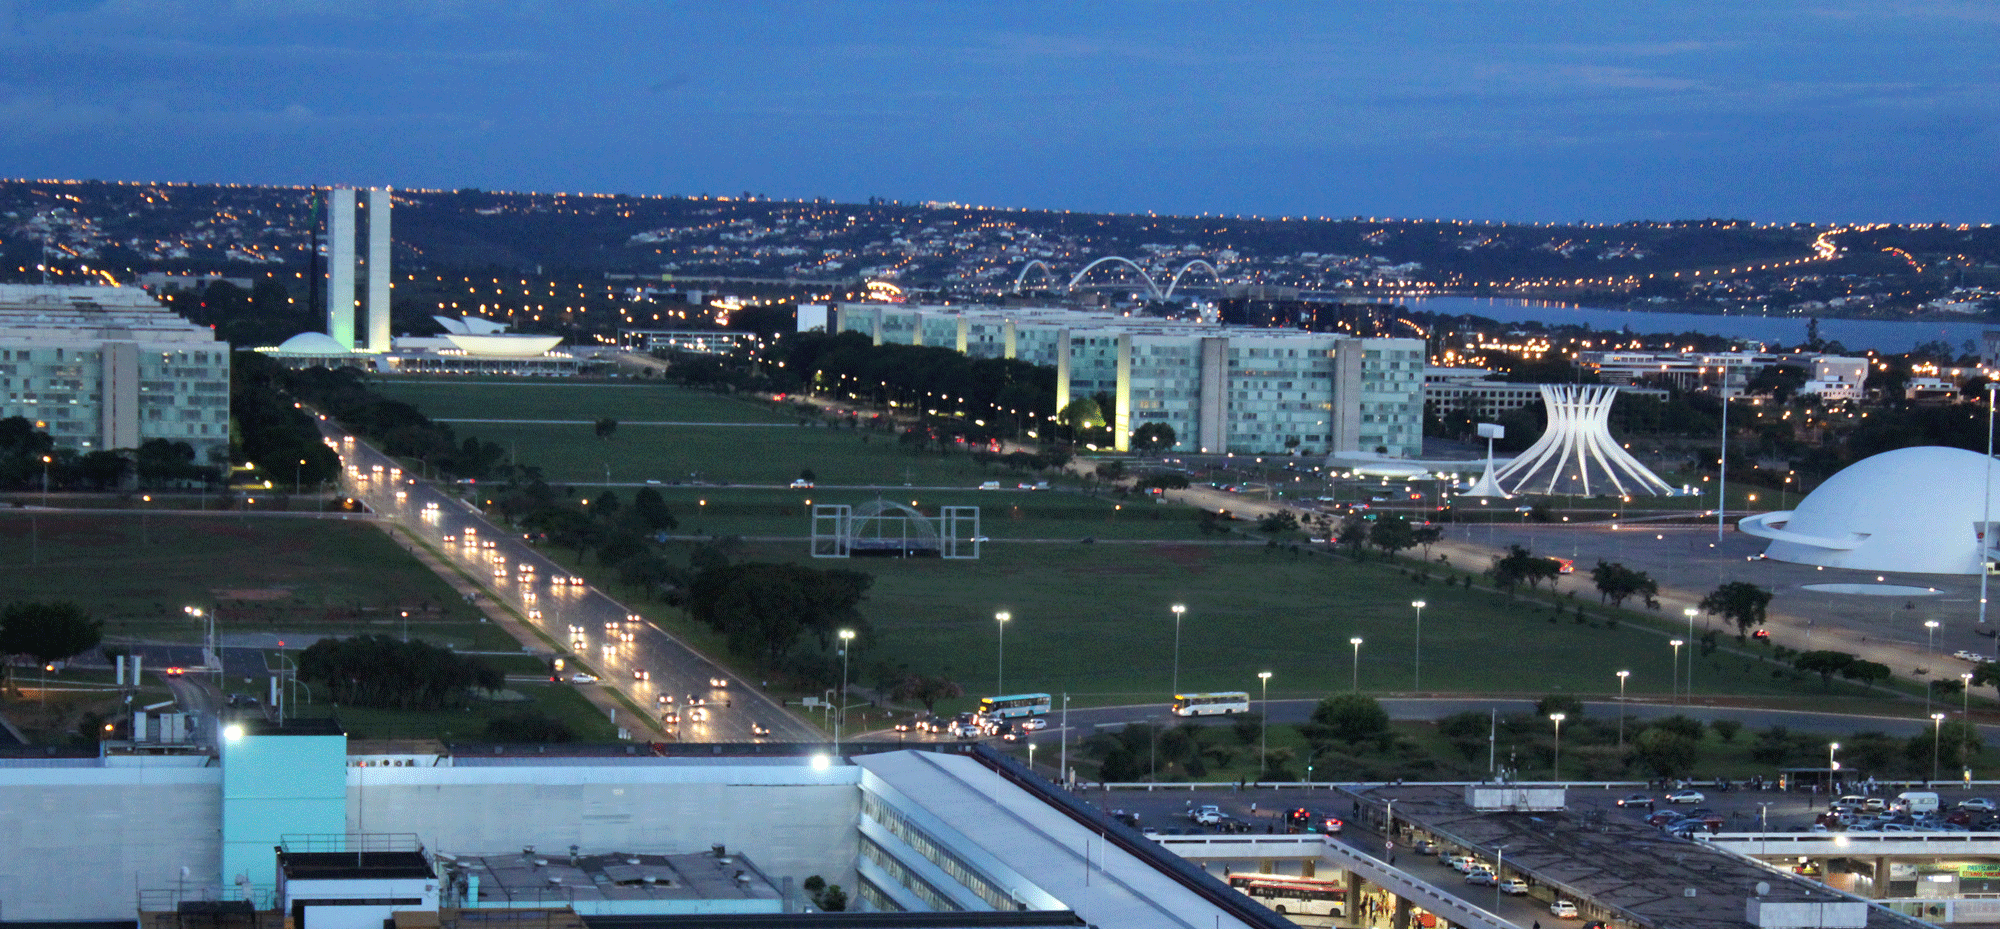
(1465, 864)
(1126, 818)
(1425, 847)
(1480, 877)
(176, 671)
(1979, 804)
(641, 674)
(802, 484)
(1564, 909)
(1207, 815)
(1663, 817)
(1686, 796)
(1514, 887)
(759, 730)
(1033, 723)
(1761, 634)
(1969, 655)
(582, 678)
(1635, 799)
(1874, 805)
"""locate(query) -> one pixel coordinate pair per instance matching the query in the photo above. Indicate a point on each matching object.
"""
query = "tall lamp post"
(1000, 662)
(1690, 611)
(1937, 737)
(1832, 766)
(1986, 508)
(1418, 678)
(1356, 642)
(1264, 727)
(846, 645)
(1674, 696)
(1178, 609)
(1622, 675)
(1931, 628)
(45, 479)
(1965, 717)
(1557, 766)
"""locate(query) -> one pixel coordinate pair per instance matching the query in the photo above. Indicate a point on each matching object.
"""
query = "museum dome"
(1914, 510)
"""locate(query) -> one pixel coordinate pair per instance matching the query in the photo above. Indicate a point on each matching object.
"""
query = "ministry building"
(1220, 388)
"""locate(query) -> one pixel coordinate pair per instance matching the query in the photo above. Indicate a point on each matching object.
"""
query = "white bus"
(1015, 706)
(1294, 896)
(1211, 704)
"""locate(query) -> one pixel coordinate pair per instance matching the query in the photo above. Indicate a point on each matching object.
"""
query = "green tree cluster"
(378, 671)
(763, 609)
(44, 632)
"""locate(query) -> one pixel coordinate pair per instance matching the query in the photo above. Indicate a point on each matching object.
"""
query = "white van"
(1917, 802)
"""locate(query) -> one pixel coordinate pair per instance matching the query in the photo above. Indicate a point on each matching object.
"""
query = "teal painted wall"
(273, 786)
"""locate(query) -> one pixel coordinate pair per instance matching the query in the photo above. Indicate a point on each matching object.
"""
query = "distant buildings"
(1830, 377)
(101, 368)
(1221, 389)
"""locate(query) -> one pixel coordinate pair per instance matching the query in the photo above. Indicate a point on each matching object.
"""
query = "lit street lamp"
(1690, 611)
(846, 644)
(1418, 677)
(1356, 642)
(1264, 727)
(1557, 766)
(1178, 609)
(1937, 736)
(1674, 696)
(1000, 669)
(1931, 627)
(1832, 766)
(1622, 675)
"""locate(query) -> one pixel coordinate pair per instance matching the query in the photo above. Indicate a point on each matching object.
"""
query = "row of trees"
(44, 632)
(378, 671)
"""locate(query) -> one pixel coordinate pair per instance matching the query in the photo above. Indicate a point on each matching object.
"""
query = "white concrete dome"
(312, 343)
(1916, 510)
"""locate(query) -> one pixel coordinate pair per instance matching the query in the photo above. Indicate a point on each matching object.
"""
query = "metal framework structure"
(1577, 454)
(883, 529)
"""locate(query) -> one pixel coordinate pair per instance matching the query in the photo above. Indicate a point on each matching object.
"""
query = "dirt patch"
(1190, 557)
(254, 594)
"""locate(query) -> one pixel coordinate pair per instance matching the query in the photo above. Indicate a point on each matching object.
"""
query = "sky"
(1517, 110)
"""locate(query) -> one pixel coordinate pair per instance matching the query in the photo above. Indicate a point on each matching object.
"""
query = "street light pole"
(1674, 695)
(1178, 609)
(1931, 627)
(1831, 767)
(1557, 766)
(1418, 677)
(1937, 737)
(1356, 642)
(1965, 722)
(1499, 873)
(846, 645)
(1000, 665)
(1622, 675)
(1264, 727)
(1986, 512)
(1690, 611)
(1062, 758)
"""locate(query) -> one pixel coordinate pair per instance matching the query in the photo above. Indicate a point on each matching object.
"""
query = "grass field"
(286, 575)
(560, 702)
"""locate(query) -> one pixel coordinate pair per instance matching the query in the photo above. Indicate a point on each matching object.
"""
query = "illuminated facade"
(1221, 389)
(102, 368)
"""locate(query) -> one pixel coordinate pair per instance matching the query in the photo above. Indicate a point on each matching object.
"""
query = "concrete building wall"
(118, 420)
(82, 842)
(378, 270)
(340, 268)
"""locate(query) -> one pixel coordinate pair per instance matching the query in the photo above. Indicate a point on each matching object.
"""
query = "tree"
(1665, 752)
(1165, 480)
(45, 632)
(1824, 663)
(1351, 718)
(1080, 414)
(1615, 583)
(652, 510)
(1279, 521)
(927, 690)
(1392, 535)
(1867, 672)
(378, 671)
(1153, 437)
(1427, 536)
(1519, 565)
(606, 427)
(1569, 706)
(1353, 534)
(1740, 602)
(763, 609)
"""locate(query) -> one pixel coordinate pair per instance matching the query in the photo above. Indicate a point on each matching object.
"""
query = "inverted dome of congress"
(1914, 510)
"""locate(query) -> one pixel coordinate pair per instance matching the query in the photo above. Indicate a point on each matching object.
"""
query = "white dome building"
(1916, 510)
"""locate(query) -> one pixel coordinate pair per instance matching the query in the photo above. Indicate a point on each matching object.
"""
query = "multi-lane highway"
(654, 670)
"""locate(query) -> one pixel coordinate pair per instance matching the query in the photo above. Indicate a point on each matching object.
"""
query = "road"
(591, 623)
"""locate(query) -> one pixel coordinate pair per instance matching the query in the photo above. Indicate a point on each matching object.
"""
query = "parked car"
(1564, 909)
(1480, 877)
(1979, 804)
(1663, 817)
(1686, 796)
(1514, 887)
(1205, 815)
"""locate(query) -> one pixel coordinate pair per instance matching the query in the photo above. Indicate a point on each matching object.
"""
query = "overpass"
(1315, 853)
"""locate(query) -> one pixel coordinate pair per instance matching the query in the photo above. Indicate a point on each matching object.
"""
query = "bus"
(1211, 704)
(1015, 706)
(1294, 896)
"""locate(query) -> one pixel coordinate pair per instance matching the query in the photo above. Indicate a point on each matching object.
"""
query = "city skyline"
(1802, 111)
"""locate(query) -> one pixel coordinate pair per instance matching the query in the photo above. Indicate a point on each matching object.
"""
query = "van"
(1917, 802)
(990, 485)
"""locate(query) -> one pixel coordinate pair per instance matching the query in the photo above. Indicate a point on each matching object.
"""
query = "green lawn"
(561, 702)
(278, 574)
(626, 401)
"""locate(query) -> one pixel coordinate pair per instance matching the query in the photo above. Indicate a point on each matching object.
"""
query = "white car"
(1687, 796)
(582, 678)
(1205, 815)
(1033, 723)
(1564, 909)
(802, 484)
(1514, 887)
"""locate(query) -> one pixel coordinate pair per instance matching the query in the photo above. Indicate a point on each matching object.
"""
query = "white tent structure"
(1577, 454)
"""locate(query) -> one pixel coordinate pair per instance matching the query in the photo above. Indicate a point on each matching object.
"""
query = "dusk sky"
(1823, 110)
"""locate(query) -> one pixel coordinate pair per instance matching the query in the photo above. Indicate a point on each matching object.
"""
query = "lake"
(1855, 334)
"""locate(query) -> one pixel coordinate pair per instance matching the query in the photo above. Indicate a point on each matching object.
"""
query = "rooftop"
(530, 876)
